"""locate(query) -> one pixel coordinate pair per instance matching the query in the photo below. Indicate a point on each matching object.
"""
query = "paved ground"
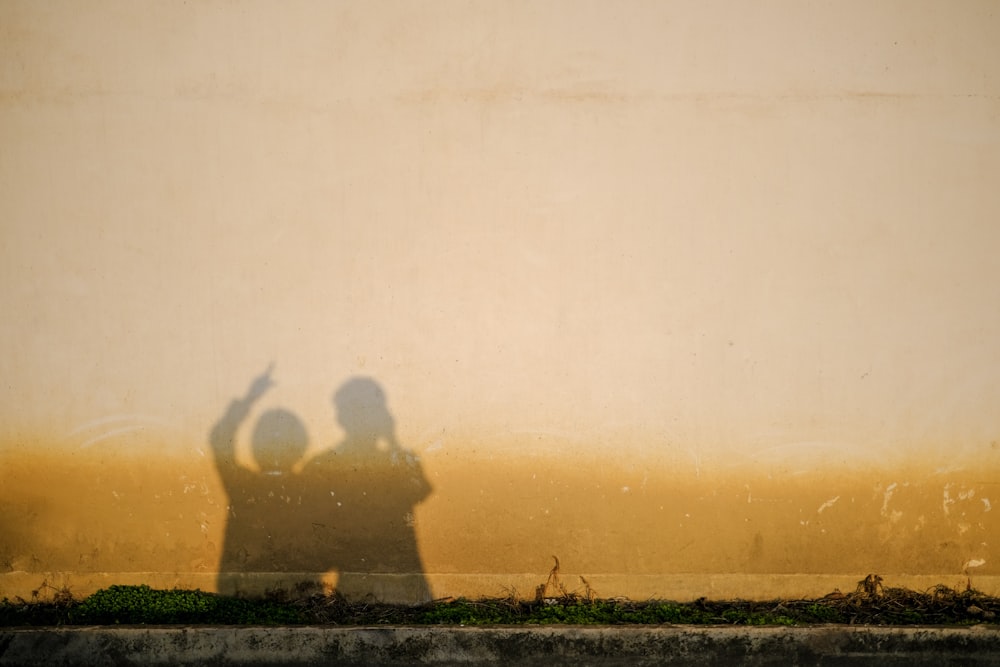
(444, 646)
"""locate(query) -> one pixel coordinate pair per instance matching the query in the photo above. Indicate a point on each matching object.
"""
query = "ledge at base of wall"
(577, 646)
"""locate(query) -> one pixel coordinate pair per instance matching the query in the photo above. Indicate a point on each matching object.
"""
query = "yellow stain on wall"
(475, 524)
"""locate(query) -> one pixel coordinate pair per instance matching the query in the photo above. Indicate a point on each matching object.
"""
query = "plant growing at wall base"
(144, 605)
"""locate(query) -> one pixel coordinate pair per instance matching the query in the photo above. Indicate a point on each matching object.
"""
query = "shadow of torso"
(266, 524)
(363, 509)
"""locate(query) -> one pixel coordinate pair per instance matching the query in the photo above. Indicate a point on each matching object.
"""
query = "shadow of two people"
(347, 510)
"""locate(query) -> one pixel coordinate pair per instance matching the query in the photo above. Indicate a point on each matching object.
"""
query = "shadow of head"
(362, 411)
(279, 441)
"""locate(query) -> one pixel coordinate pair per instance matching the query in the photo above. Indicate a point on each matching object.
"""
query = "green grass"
(142, 605)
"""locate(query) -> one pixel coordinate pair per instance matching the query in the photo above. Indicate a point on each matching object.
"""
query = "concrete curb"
(579, 646)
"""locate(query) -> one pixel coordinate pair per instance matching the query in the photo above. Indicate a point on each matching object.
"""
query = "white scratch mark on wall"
(828, 504)
(986, 504)
(696, 457)
(110, 434)
(886, 497)
(947, 501)
(104, 428)
(895, 515)
(116, 418)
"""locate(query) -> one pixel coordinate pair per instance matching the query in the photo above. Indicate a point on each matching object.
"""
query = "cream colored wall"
(699, 296)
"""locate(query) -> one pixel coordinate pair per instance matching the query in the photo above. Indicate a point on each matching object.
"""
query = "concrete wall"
(700, 297)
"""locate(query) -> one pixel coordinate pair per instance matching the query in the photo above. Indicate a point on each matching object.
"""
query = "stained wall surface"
(699, 297)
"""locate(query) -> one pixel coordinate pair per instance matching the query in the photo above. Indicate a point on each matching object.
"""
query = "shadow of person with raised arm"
(265, 517)
(375, 485)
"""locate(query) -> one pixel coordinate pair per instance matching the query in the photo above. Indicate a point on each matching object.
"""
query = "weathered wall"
(699, 297)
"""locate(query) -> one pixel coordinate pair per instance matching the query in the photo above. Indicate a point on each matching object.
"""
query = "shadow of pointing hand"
(260, 385)
(265, 518)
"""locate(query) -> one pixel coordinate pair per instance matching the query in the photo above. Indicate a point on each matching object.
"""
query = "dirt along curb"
(580, 646)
